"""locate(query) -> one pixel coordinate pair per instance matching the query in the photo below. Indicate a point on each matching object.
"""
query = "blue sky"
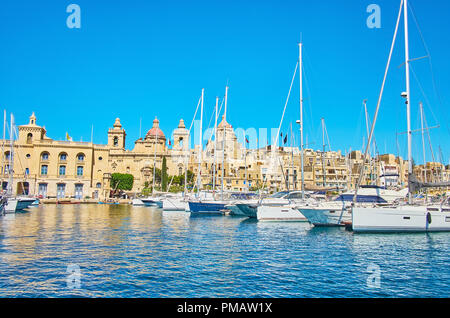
(141, 59)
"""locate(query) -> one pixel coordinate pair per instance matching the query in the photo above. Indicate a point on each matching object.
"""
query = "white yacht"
(284, 213)
(338, 211)
(409, 217)
(13, 203)
(279, 199)
(18, 204)
(174, 203)
(403, 218)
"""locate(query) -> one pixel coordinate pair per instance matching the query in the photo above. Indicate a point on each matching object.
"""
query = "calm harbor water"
(126, 251)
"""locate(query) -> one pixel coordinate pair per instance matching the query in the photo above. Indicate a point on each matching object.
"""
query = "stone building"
(68, 169)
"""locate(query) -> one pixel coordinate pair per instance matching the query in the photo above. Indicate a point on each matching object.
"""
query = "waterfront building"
(69, 169)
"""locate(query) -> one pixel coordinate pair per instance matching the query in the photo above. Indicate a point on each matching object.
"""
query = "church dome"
(155, 131)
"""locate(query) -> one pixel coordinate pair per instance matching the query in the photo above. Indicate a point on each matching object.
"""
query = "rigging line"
(17, 138)
(209, 125)
(329, 147)
(195, 114)
(285, 105)
(308, 100)
(275, 146)
(212, 115)
(358, 127)
(427, 101)
(361, 172)
(186, 159)
(318, 133)
(429, 137)
(429, 55)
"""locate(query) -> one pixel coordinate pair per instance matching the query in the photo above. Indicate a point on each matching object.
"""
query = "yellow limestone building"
(67, 169)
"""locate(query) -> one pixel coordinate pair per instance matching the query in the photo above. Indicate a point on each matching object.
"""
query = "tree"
(164, 175)
(122, 181)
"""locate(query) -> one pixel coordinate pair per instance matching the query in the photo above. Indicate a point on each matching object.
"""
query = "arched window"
(80, 157)
(29, 138)
(98, 185)
(180, 170)
(116, 141)
(44, 156)
(62, 156)
(7, 155)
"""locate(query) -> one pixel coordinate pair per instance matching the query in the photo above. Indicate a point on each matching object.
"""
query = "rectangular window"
(43, 189)
(78, 191)
(27, 171)
(79, 171)
(44, 170)
(62, 170)
(60, 190)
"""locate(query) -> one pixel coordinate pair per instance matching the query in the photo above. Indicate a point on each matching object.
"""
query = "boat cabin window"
(297, 195)
(279, 194)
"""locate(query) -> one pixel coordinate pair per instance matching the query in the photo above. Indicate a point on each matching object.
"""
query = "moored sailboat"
(409, 217)
(13, 204)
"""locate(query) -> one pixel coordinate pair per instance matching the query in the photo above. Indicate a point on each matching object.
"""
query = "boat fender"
(428, 218)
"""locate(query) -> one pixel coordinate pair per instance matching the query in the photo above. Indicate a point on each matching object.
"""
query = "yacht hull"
(15, 204)
(248, 210)
(152, 202)
(206, 207)
(401, 219)
(322, 217)
(279, 213)
(174, 205)
(234, 210)
(137, 202)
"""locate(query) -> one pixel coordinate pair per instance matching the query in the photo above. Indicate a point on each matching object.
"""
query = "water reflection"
(126, 251)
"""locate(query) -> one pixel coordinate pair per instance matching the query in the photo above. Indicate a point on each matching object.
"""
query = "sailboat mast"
(11, 157)
(408, 97)
(154, 165)
(292, 162)
(367, 129)
(323, 152)
(423, 145)
(199, 174)
(300, 47)
(3, 143)
(245, 162)
(224, 135)
(215, 146)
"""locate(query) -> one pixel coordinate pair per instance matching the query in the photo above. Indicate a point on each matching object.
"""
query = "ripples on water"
(126, 251)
